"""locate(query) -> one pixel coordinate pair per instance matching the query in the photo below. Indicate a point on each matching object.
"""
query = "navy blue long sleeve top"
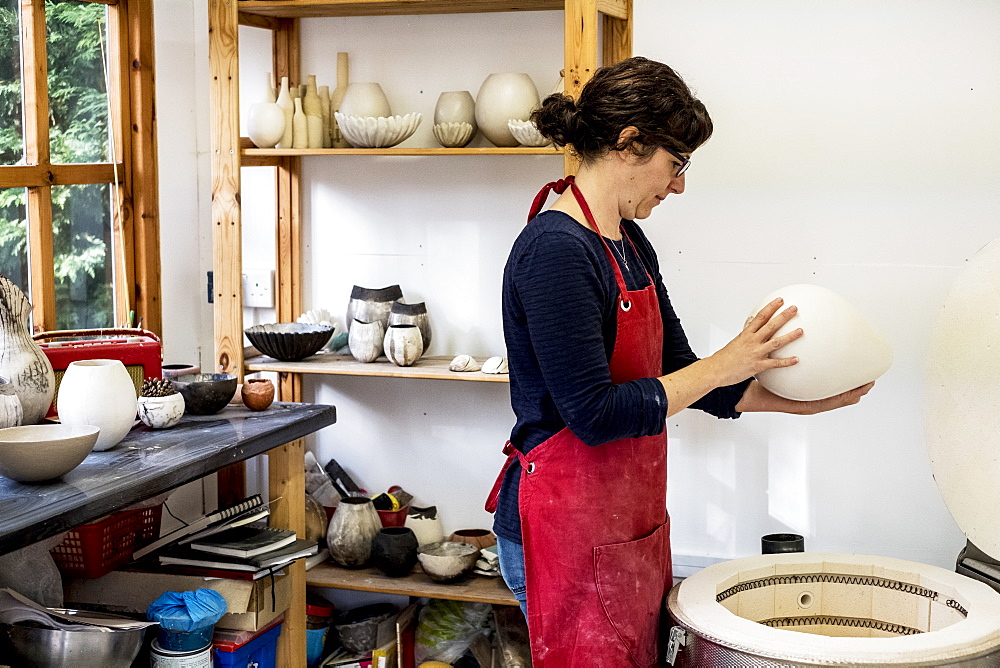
(560, 304)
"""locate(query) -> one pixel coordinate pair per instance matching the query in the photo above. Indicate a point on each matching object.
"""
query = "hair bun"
(557, 118)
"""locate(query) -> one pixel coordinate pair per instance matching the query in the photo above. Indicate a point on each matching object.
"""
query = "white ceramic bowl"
(526, 133)
(453, 135)
(38, 452)
(381, 132)
(447, 560)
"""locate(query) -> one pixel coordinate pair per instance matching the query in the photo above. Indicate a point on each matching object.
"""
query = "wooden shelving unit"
(595, 31)
(475, 588)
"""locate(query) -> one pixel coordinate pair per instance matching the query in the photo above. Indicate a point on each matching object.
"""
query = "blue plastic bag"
(187, 610)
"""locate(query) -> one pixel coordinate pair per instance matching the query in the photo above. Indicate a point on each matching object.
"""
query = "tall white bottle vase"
(456, 106)
(266, 124)
(324, 101)
(312, 107)
(502, 97)
(270, 94)
(288, 108)
(300, 128)
(99, 393)
(343, 79)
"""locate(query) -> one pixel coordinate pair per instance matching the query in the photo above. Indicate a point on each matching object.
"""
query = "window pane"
(76, 35)
(84, 265)
(13, 236)
(11, 123)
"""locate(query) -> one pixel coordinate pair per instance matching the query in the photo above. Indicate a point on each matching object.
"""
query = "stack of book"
(229, 543)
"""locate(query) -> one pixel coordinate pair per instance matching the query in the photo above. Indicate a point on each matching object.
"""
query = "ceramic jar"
(403, 344)
(11, 413)
(477, 537)
(368, 304)
(265, 124)
(366, 340)
(98, 393)
(23, 363)
(365, 99)
(412, 314)
(394, 551)
(455, 106)
(425, 523)
(502, 97)
(161, 412)
(257, 393)
(352, 528)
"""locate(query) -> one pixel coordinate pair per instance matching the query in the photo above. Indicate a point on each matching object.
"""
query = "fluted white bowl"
(380, 132)
(453, 135)
(526, 133)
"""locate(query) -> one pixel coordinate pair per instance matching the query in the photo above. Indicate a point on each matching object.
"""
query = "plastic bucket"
(165, 658)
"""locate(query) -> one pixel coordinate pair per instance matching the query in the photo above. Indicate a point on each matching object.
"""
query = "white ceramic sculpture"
(22, 361)
(453, 135)
(464, 363)
(288, 107)
(99, 393)
(380, 132)
(366, 340)
(403, 344)
(504, 96)
(839, 351)
(266, 124)
(336, 97)
(161, 412)
(527, 134)
(324, 101)
(456, 106)
(495, 365)
(300, 127)
(365, 99)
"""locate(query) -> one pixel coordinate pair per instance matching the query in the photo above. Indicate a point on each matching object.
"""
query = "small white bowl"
(447, 561)
(33, 453)
(526, 133)
(380, 132)
(453, 135)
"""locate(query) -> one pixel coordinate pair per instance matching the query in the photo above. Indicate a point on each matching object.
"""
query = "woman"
(598, 360)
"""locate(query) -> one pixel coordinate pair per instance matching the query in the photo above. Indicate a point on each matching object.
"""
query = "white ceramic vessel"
(100, 393)
(161, 412)
(266, 124)
(841, 348)
(22, 361)
(453, 135)
(288, 107)
(456, 106)
(527, 134)
(380, 132)
(366, 340)
(503, 96)
(364, 99)
(403, 344)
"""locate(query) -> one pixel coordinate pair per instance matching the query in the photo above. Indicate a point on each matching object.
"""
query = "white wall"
(855, 147)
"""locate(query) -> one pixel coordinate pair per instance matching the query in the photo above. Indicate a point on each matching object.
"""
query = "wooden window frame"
(135, 219)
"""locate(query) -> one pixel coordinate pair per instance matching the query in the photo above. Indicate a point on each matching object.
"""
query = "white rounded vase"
(366, 340)
(266, 124)
(98, 393)
(365, 99)
(403, 344)
(839, 350)
(502, 97)
(456, 106)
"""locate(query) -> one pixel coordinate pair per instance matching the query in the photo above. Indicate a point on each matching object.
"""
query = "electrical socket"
(258, 288)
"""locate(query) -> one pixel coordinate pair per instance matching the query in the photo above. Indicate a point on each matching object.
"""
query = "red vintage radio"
(138, 349)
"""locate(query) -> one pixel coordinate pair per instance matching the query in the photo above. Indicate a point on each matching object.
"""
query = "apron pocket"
(632, 580)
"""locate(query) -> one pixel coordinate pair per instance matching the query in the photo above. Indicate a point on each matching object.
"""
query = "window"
(79, 228)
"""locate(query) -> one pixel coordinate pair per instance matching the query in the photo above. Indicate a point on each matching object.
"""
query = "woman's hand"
(749, 353)
(758, 399)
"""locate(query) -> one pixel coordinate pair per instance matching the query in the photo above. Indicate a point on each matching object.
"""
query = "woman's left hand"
(757, 399)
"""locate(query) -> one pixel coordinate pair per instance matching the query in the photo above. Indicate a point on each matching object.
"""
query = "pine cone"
(156, 387)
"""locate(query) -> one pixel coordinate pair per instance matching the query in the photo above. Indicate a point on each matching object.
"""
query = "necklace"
(621, 253)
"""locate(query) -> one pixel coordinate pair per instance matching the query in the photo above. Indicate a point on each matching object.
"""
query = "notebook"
(184, 555)
(244, 541)
(251, 507)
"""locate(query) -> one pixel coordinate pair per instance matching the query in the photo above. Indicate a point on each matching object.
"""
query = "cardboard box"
(249, 603)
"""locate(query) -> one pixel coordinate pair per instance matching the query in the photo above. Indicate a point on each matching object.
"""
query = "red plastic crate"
(96, 549)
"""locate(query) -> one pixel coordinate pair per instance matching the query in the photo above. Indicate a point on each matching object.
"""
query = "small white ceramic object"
(265, 124)
(453, 135)
(447, 560)
(365, 98)
(377, 132)
(99, 393)
(464, 363)
(425, 524)
(526, 133)
(161, 412)
(456, 106)
(316, 316)
(403, 344)
(839, 351)
(495, 365)
(503, 96)
(366, 340)
(32, 453)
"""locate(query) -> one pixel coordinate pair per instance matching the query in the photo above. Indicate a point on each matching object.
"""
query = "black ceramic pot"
(394, 551)
(778, 543)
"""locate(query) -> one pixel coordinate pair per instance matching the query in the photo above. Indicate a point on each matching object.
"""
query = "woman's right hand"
(750, 352)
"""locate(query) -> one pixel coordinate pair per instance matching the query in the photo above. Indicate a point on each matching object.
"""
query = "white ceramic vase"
(456, 106)
(22, 361)
(300, 128)
(336, 97)
(324, 101)
(266, 124)
(161, 412)
(366, 340)
(502, 97)
(403, 344)
(840, 350)
(352, 528)
(99, 393)
(288, 107)
(365, 99)
(425, 523)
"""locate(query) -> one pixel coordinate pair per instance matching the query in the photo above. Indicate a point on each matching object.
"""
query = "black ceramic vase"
(394, 551)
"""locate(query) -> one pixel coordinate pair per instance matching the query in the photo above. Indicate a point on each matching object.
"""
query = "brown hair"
(635, 92)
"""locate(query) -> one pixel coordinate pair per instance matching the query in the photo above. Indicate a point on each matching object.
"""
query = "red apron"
(593, 519)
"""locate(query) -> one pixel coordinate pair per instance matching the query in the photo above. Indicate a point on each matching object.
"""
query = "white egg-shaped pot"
(266, 124)
(99, 393)
(839, 350)
(503, 96)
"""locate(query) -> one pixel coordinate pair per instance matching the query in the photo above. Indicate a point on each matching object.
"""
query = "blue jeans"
(512, 568)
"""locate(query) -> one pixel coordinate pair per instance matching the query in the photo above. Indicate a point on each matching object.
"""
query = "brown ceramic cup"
(257, 393)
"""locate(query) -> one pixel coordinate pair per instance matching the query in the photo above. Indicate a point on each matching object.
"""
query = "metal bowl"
(36, 646)
(205, 393)
(289, 341)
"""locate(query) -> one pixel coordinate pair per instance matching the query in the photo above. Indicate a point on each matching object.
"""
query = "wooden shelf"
(306, 8)
(476, 588)
(268, 157)
(429, 368)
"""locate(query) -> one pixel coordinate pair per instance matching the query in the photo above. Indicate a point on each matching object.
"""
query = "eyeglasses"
(685, 162)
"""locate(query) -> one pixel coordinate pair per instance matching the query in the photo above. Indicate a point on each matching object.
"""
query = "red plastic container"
(96, 549)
